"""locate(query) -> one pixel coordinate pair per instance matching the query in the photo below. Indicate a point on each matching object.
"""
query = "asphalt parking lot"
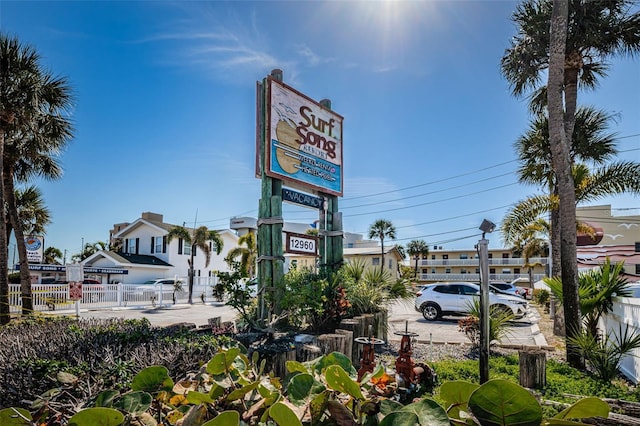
(402, 317)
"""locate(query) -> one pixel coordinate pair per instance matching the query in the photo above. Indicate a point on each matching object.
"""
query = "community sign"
(304, 141)
(34, 245)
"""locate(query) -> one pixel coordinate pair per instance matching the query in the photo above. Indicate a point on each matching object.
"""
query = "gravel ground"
(437, 352)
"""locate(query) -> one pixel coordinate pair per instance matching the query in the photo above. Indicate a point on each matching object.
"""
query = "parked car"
(454, 298)
(634, 288)
(508, 288)
(149, 289)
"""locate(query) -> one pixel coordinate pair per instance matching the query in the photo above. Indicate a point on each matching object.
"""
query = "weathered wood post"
(270, 254)
(533, 368)
(331, 252)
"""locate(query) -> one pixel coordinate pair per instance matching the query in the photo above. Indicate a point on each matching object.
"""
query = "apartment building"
(464, 265)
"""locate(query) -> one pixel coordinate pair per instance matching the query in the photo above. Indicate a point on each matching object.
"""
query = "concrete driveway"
(523, 332)
(402, 316)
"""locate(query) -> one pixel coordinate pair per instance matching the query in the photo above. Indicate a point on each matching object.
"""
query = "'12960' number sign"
(301, 244)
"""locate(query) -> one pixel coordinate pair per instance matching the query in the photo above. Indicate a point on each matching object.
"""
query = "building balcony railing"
(513, 261)
(476, 277)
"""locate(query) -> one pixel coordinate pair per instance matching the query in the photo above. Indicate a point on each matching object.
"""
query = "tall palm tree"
(52, 256)
(247, 250)
(34, 128)
(382, 229)
(596, 32)
(591, 143)
(417, 249)
(197, 238)
(583, 36)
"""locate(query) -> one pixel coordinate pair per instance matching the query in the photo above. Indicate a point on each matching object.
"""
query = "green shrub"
(541, 296)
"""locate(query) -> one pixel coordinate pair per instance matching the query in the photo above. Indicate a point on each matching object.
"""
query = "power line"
(431, 202)
(430, 193)
(430, 183)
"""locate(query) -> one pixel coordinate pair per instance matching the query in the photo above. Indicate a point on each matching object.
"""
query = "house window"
(131, 248)
(491, 270)
(463, 271)
(464, 256)
(433, 256)
(375, 261)
(186, 248)
(433, 270)
(490, 255)
(477, 270)
(447, 271)
(516, 270)
(158, 244)
(637, 247)
(390, 263)
(506, 271)
(637, 268)
(445, 256)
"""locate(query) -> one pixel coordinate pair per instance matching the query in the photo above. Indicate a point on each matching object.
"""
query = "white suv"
(454, 298)
(149, 289)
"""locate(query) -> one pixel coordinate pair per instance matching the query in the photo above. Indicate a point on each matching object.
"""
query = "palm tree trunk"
(5, 315)
(25, 275)
(562, 169)
(382, 260)
(416, 270)
(556, 270)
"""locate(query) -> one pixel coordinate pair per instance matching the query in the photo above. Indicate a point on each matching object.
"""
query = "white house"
(146, 254)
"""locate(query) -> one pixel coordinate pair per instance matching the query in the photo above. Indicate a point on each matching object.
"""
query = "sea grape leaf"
(98, 416)
(500, 402)
(152, 379)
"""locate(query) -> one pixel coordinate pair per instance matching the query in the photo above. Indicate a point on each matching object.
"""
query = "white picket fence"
(626, 312)
(48, 297)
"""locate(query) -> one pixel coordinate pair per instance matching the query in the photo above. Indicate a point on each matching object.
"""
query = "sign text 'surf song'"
(304, 141)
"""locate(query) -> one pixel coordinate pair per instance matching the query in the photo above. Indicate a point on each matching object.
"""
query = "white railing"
(476, 277)
(513, 261)
(47, 297)
(625, 313)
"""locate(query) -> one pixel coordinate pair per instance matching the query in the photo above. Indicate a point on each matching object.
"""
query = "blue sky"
(165, 110)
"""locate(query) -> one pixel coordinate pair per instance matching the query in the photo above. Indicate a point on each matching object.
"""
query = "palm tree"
(89, 249)
(32, 212)
(382, 229)
(612, 29)
(590, 143)
(248, 254)
(34, 128)
(616, 178)
(533, 243)
(197, 238)
(52, 256)
(583, 36)
(417, 249)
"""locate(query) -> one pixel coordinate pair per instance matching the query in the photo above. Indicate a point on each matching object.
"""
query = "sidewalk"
(197, 314)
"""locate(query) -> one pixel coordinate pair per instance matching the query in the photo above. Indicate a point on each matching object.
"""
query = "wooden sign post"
(298, 141)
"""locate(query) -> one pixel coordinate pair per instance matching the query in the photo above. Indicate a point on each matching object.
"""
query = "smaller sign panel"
(75, 290)
(301, 244)
(34, 247)
(302, 199)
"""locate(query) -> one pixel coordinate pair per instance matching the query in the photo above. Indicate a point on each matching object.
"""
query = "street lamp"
(483, 254)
